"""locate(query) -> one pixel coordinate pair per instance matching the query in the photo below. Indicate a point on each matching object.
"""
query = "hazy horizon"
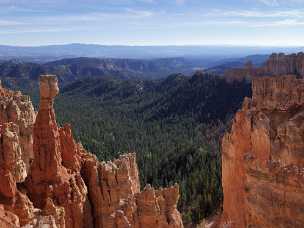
(156, 45)
(142, 52)
(152, 22)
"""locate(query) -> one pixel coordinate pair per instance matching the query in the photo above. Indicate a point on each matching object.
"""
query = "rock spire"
(49, 180)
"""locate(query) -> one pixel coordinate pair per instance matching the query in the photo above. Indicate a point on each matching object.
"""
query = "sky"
(152, 22)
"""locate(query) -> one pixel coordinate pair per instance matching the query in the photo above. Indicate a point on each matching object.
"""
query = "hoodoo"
(263, 157)
(49, 180)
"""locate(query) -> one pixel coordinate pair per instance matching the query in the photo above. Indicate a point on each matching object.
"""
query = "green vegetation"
(174, 125)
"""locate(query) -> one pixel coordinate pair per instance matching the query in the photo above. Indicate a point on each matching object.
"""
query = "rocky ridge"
(49, 180)
(278, 64)
(281, 64)
(263, 157)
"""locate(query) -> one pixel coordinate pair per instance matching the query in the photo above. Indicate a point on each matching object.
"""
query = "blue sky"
(152, 22)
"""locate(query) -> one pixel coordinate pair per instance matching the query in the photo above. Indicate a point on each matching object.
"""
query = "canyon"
(50, 180)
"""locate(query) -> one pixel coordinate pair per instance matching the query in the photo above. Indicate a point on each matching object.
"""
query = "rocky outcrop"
(263, 157)
(281, 64)
(16, 154)
(17, 118)
(8, 219)
(49, 180)
(243, 73)
(117, 201)
(276, 65)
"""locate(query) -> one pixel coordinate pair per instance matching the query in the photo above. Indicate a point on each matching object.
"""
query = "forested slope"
(174, 125)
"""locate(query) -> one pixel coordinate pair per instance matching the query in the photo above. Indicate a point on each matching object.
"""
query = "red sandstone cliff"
(49, 180)
(263, 157)
(281, 64)
(276, 65)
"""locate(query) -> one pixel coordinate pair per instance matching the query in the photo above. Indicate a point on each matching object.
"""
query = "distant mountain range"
(20, 72)
(69, 70)
(77, 61)
(225, 64)
(210, 53)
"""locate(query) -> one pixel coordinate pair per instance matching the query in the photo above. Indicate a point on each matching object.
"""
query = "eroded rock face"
(118, 202)
(276, 65)
(49, 181)
(244, 73)
(8, 219)
(17, 118)
(281, 64)
(47, 165)
(62, 185)
(263, 157)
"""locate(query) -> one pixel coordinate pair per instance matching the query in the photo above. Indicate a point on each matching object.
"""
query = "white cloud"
(280, 23)
(71, 22)
(248, 18)
(280, 2)
(150, 20)
(7, 23)
(270, 2)
(249, 24)
(258, 14)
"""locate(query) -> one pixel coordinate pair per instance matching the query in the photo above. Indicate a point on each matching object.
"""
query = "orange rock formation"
(49, 180)
(263, 157)
(281, 64)
(276, 65)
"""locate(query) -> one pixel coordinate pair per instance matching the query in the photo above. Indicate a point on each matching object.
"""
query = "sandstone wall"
(276, 65)
(49, 180)
(263, 157)
(281, 64)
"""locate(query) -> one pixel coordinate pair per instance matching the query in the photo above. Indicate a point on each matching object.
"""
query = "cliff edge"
(278, 64)
(49, 180)
(263, 157)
